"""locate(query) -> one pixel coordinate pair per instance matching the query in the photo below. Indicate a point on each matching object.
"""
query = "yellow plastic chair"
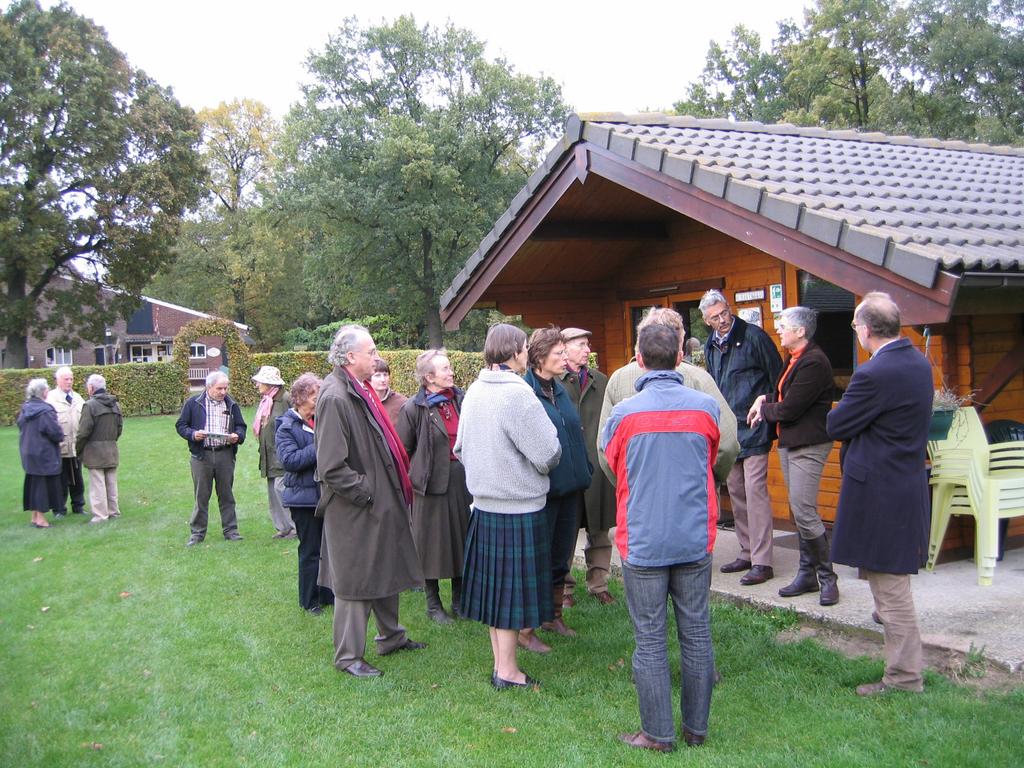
(949, 479)
(950, 459)
(995, 492)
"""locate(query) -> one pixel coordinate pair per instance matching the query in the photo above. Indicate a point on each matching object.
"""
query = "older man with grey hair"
(212, 424)
(68, 405)
(744, 363)
(369, 556)
(98, 433)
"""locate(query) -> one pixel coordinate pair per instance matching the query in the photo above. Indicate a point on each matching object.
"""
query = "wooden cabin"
(629, 212)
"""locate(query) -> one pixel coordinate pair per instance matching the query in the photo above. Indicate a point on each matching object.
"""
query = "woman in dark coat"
(799, 407)
(427, 426)
(301, 492)
(39, 444)
(569, 479)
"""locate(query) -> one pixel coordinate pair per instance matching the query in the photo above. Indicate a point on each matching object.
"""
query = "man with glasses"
(882, 520)
(744, 363)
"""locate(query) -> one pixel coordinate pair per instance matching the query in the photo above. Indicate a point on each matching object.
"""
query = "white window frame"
(58, 356)
(195, 348)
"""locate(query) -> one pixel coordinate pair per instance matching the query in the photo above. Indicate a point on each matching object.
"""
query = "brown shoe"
(641, 740)
(360, 668)
(604, 598)
(758, 574)
(692, 739)
(874, 689)
(876, 618)
(558, 626)
(408, 645)
(528, 641)
(736, 566)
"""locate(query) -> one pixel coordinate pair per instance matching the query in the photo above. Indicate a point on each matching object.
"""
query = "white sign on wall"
(212, 352)
(775, 297)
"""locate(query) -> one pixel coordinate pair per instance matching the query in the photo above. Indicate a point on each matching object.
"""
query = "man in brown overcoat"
(586, 387)
(368, 556)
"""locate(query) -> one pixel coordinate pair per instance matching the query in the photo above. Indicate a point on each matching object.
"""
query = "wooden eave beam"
(639, 231)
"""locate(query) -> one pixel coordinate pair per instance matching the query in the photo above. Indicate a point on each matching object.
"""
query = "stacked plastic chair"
(971, 477)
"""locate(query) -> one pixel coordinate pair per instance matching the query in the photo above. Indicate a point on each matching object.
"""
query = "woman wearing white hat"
(274, 401)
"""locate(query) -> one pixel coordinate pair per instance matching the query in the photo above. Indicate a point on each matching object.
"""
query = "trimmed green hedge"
(466, 366)
(141, 388)
(149, 388)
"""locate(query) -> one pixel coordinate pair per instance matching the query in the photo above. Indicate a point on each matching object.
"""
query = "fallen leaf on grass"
(146, 673)
(37, 559)
(125, 594)
(92, 745)
(435, 685)
(509, 730)
(31, 626)
(45, 608)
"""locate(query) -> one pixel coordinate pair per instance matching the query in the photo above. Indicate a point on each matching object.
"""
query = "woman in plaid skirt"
(508, 446)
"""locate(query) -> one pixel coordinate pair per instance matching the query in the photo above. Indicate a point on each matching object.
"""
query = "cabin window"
(197, 351)
(835, 307)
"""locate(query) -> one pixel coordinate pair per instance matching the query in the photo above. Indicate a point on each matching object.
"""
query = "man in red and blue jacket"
(659, 448)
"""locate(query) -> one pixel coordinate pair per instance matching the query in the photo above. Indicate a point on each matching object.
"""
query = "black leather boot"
(826, 576)
(435, 610)
(805, 580)
(456, 598)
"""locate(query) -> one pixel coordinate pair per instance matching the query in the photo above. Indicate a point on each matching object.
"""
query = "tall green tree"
(237, 256)
(740, 80)
(407, 146)
(97, 165)
(945, 68)
(971, 55)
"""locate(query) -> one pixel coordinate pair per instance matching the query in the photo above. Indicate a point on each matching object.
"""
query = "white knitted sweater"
(507, 444)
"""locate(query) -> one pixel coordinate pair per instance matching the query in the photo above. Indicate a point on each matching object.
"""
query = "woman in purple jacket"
(39, 444)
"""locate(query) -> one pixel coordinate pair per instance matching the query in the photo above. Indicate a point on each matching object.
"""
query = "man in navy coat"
(882, 521)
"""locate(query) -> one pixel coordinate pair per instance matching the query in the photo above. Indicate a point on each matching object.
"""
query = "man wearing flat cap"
(274, 401)
(586, 387)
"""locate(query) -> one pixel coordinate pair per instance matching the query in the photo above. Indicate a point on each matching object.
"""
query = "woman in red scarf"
(799, 407)
(427, 425)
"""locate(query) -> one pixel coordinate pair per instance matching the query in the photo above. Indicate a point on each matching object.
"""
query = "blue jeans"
(647, 593)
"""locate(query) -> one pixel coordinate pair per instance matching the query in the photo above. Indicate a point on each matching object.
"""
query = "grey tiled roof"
(911, 205)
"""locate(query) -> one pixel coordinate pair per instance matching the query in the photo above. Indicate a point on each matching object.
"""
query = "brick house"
(145, 337)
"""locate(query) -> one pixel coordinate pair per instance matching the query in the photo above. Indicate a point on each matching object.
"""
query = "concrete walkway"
(954, 612)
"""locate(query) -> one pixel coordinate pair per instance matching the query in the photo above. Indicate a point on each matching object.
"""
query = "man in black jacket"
(744, 363)
(212, 424)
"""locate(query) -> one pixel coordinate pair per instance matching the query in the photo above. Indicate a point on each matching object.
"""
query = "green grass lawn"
(120, 647)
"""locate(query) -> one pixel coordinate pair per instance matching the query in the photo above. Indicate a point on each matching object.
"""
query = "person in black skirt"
(297, 454)
(427, 426)
(508, 446)
(39, 444)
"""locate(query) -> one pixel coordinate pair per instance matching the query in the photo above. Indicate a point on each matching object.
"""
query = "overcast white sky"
(608, 56)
